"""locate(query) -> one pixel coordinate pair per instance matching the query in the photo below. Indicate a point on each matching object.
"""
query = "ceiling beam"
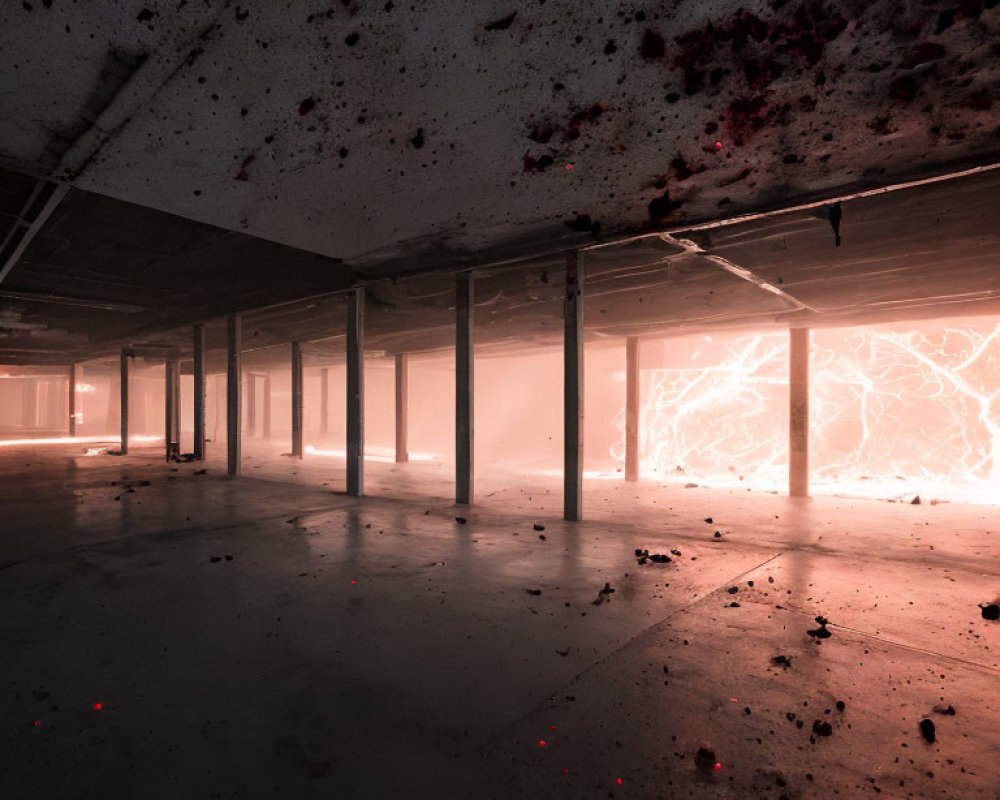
(62, 300)
(27, 227)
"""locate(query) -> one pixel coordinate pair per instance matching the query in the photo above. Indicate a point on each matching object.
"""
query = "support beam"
(356, 392)
(44, 199)
(62, 300)
(798, 412)
(171, 405)
(199, 392)
(573, 388)
(123, 398)
(250, 403)
(234, 449)
(632, 408)
(29, 403)
(267, 407)
(464, 379)
(296, 400)
(402, 420)
(324, 401)
(71, 405)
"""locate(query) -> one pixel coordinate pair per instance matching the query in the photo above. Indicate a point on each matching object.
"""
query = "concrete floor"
(379, 648)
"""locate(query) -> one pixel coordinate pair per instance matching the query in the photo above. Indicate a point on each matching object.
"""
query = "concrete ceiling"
(229, 156)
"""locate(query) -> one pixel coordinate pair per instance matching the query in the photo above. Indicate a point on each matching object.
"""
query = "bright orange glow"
(895, 412)
(370, 455)
(76, 440)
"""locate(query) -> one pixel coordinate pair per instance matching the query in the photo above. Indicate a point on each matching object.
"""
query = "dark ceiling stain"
(501, 24)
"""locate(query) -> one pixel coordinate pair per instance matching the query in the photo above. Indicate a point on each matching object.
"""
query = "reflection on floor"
(267, 636)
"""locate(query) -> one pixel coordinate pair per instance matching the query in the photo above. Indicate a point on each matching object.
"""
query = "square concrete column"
(356, 392)
(199, 392)
(29, 403)
(72, 401)
(464, 378)
(798, 412)
(296, 400)
(123, 400)
(632, 408)
(573, 388)
(171, 405)
(402, 389)
(234, 425)
(324, 400)
(266, 422)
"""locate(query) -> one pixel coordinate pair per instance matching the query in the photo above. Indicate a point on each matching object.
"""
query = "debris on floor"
(645, 556)
(821, 632)
(605, 594)
(990, 611)
(927, 730)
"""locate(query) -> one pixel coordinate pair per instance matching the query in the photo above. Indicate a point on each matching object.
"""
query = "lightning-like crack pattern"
(895, 412)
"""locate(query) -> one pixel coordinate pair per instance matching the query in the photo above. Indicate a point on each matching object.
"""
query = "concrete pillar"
(72, 401)
(324, 401)
(250, 403)
(199, 392)
(175, 423)
(632, 408)
(123, 398)
(171, 405)
(266, 421)
(798, 412)
(296, 400)
(356, 392)
(402, 388)
(29, 403)
(464, 380)
(234, 450)
(573, 388)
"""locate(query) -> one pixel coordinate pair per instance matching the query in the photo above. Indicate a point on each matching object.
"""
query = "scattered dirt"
(604, 595)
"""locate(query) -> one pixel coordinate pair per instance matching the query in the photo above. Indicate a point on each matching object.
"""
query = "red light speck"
(569, 166)
(552, 727)
(542, 743)
(354, 583)
(718, 145)
(565, 772)
(98, 706)
(718, 766)
(36, 723)
(619, 781)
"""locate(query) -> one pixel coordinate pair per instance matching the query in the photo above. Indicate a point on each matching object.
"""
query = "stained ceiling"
(225, 156)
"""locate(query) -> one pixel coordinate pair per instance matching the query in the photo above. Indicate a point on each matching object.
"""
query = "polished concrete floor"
(270, 637)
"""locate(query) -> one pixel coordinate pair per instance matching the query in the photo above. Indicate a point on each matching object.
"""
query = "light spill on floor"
(255, 638)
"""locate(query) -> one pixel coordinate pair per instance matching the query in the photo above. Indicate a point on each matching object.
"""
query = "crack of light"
(894, 413)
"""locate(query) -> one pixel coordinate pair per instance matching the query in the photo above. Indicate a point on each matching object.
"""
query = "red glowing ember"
(98, 706)
(542, 743)
(718, 766)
